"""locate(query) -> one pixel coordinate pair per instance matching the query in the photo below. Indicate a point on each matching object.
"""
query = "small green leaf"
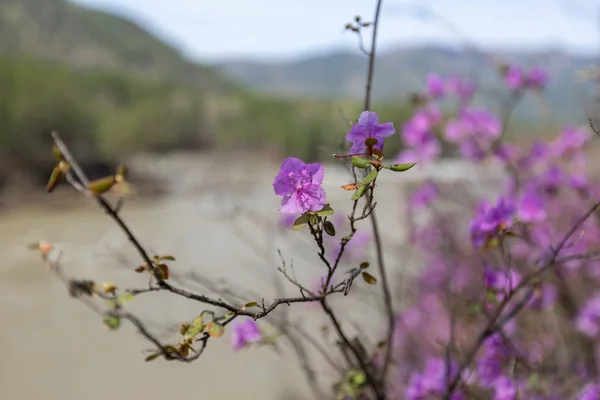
(325, 211)
(56, 153)
(102, 185)
(313, 219)
(152, 356)
(55, 177)
(399, 167)
(229, 315)
(250, 304)
(214, 329)
(301, 221)
(360, 192)
(358, 378)
(125, 298)
(195, 328)
(360, 162)
(369, 178)
(370, 142)
(370, 279)
(111, 322)
(364, 265)
(166, 258)
(329, 228)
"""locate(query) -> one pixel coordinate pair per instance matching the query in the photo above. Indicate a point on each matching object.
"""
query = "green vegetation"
(112, 90)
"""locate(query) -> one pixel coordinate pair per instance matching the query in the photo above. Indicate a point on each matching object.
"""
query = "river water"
(220, 221)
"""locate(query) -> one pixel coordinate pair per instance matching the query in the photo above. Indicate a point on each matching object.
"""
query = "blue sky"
(280, 29)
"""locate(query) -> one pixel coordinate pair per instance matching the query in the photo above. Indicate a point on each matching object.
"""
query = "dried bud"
(184, 328)
(109, 287)
(140, 269)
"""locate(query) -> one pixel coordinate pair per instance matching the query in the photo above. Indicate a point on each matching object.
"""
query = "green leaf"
(364, 265)
(152, 356)
(369, 178)
(102, 185)
(301, 221)
(55, 177)
(125, 298)
(370, 279)
(325, 211)
(111, 322)
(166, 258)
(360, 162)
(360, 192)
(313, 219)
(399, 167)
(370, 142)
(229, 315)
(329, 228)
(214, 329)
(56, 153)
(195, 328)
(358, 377)
(250, 304)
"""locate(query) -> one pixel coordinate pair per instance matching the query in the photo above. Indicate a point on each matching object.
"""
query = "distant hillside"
(401, 71)
(112, 89)
(85, 38)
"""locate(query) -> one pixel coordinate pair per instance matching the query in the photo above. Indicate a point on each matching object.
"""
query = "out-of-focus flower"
(588, 320)
(435, 86)
(424, 195)
(491, 220)
(244, 333)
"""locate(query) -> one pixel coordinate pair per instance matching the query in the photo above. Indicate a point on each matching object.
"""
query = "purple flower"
(588, 320)
(473, 130)
(424, 195)
(368, 127)
(431, 381)
(435, 86)
(570, 141)
(544, 297)
(491, 220)
(531, 208)
(590, 392)
(505, 389)
(515, 78)
(244, 332)
(537, 78)
(287, 220)
(463, 89)
(300, 186)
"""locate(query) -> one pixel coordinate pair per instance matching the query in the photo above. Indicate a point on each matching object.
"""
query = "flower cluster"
(508, 282)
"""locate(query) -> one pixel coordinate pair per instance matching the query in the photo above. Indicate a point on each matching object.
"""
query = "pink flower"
(368, 127)
(244, 333)
(300, 186)
(435, 86)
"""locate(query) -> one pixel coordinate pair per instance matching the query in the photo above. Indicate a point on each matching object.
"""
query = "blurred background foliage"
(112, 90)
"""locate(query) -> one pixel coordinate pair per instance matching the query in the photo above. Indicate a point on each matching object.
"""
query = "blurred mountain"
(403, 70)
(85, 38)
(112, 90)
